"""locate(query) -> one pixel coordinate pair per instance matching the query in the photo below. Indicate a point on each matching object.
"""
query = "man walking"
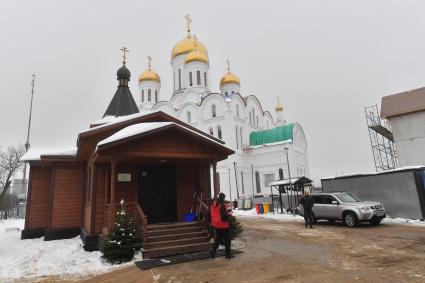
(307, 202)
(220, 223)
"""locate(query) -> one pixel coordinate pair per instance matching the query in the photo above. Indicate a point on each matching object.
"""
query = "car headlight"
(365, 208)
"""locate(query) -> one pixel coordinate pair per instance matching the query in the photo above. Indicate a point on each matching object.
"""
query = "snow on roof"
(269, 144)
(34, 154)
(141, 128)
(283, 182)
(412, 167)
(111, 120)
(133, 130)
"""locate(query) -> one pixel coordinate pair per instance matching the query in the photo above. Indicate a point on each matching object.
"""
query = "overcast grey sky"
(325, 59)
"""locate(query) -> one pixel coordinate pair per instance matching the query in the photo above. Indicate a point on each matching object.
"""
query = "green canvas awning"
(271, 136)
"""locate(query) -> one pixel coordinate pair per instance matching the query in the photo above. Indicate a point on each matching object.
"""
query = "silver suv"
(346, 207)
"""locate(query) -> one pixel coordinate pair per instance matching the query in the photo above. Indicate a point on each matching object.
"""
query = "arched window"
(213, 110)
(257, 182)
(143, 95)
(156, 96)
(233, 92)
(280, 174)
(250, 117)
(180, 79)
(219, 132)
(257, 121)
(267, 123)
(189, 117)
(205, 78)
(237, 110)
(190, 79)
(149, 95)
(211, 131)
(198, 77)
(236, 137)
(253, 116)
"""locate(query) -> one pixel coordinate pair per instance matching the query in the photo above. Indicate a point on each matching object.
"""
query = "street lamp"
(286, 148)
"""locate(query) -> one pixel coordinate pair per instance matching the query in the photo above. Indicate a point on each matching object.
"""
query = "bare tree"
(10, 163)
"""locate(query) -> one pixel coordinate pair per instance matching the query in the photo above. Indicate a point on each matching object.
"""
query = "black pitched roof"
(122, 104)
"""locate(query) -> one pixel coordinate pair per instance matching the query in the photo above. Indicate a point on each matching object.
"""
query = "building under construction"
(381, 140)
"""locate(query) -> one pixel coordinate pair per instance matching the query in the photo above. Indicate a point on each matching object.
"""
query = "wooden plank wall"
(39, 203)
(67, 195)
(101, 179)
(127, 190)
(190, 178)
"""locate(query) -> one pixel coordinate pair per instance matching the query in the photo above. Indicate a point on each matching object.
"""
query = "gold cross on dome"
(149, 61)
(188, 24)
(228, 65)
(124, 51)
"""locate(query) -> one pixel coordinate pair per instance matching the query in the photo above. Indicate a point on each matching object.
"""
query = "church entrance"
(157, 193)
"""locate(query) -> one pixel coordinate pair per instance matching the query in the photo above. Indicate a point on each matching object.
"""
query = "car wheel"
(375, 221)
(350, 219)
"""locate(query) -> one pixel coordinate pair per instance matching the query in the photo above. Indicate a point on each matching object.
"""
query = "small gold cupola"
(229, 77)
(149, 75)
(279, 107)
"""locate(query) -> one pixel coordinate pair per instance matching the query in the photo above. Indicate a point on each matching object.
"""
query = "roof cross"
(149, 62)
(228, 65)
(188, 24)
(124, 51)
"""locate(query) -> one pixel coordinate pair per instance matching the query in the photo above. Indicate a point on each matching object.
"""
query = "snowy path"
(37, 258)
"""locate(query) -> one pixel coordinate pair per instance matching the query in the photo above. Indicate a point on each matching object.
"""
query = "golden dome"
(279, 106)
(229, 78)
(187, 45)
(196, 54)
(149, 75)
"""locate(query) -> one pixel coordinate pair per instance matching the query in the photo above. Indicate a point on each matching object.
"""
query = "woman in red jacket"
(220, 223)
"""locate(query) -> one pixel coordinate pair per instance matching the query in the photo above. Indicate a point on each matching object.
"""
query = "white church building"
(259, 139)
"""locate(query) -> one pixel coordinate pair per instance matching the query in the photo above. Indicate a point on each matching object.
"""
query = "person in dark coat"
(307, 202)
(220, 223)
(235, 204)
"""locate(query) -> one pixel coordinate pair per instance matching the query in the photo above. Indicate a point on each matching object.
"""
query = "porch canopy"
(297, 182)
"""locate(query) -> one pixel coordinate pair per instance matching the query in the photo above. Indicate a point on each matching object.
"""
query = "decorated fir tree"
(123, 240)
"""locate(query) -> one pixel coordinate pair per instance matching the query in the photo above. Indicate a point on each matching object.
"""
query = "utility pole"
(27, 143)
(252, 175)
(236, 180)
(230, 185)
(289, 175)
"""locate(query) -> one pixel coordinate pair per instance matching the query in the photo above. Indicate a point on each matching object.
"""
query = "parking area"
(284, 251)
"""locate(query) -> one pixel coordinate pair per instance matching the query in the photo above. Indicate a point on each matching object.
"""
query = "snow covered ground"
(290, 217)
(33, 258)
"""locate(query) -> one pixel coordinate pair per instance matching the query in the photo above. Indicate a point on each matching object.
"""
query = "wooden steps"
(175, 238)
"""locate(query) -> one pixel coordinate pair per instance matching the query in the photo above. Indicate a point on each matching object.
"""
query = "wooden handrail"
(141, 214)
(202, 203)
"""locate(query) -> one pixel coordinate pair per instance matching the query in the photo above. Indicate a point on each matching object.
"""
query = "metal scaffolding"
(381, 140)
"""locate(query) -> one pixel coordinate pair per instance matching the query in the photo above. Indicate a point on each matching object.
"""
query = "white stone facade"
(409, 138)
(232, 117)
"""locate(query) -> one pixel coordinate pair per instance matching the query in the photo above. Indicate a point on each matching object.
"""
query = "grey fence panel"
(396, 191)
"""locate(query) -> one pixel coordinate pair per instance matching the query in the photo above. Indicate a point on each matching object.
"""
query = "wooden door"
(157, 193)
